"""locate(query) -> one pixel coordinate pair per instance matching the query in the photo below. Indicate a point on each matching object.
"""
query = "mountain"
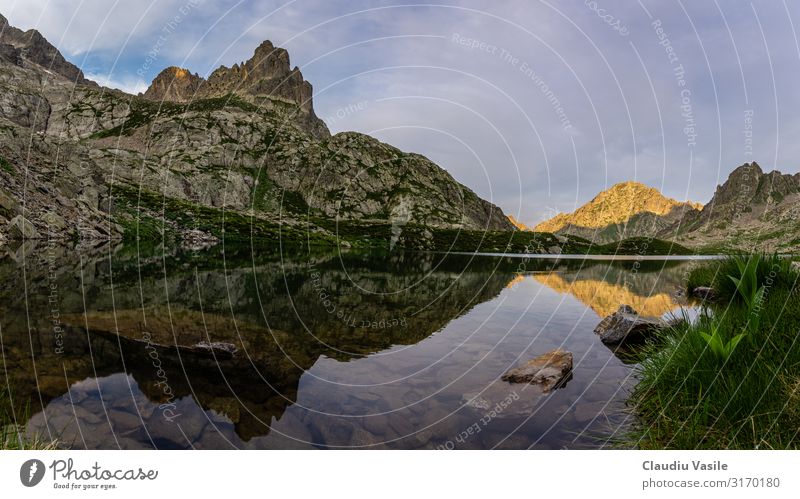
(240, 154)
(265, 79)
(18, 47)
(752, 210)
(516, 223)
(627, 209)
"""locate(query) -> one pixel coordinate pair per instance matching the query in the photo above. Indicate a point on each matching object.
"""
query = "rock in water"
(215, 348)
(548, 370)
(626, 325)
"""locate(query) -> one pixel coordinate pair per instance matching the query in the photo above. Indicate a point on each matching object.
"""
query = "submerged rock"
(548, 370)
(626, 325)
(217, 348)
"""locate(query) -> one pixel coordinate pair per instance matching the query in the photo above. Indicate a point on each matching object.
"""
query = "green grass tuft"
(644, 246)
(727, 380)
(12, 434)
(769, 269)
(6, 166)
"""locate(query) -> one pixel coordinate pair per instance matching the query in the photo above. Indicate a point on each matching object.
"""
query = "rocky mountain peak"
(747, 186)
(269, 59)
(751, 167)
(267, 74)
(617, 205)
(750, 209)
(17, 46)
(516, 223)
(174, 84)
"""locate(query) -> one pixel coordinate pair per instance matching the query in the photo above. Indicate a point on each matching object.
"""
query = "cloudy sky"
(536, 105)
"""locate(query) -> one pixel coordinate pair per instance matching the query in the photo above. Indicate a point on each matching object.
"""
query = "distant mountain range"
(241, 153)
(519, 225)
(752, 210)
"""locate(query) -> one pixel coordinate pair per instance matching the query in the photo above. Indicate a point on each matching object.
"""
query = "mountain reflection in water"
(350, 349)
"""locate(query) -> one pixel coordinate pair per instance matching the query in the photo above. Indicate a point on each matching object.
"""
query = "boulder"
(21, 228)
(8, 206)
(625, 325)
(196, 240)
(547, 370)
(705, 293)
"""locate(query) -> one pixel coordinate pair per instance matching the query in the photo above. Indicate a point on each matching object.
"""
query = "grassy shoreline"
(150, 217)
(730, 379)
(12, 434)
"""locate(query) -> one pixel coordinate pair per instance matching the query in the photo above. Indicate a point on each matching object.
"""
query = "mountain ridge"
(267, 74)
(626, 209)
(247, 158)
(752, 210)
(17, 46)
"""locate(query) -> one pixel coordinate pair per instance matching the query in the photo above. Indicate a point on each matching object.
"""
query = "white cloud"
(81, 26)
(131, 85)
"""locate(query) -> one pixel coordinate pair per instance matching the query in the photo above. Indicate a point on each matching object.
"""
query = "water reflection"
(333, 350)
(604, 288)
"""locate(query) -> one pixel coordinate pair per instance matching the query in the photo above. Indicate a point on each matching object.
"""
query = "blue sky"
(536, 105)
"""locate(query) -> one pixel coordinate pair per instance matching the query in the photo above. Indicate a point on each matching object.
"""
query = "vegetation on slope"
(148, 216)
(645, 246)
(231, 225)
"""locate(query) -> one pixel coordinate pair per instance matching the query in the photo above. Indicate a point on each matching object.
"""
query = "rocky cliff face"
(79, 161)
(516, 223)
(627, 209)
(266, 79)
(174, 84)
(752, 210)
(17, 46)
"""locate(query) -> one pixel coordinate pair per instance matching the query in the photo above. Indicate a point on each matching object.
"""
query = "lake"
(334, 349)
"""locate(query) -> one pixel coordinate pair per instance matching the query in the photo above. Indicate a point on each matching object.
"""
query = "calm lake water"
(394, 350)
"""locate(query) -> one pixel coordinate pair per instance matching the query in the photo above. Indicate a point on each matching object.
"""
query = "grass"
(732, 378)
(225, 224)
(237, 227)
(5, 165)
(644, 246)
(12, 434)
(778, 271)
(143, 112)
